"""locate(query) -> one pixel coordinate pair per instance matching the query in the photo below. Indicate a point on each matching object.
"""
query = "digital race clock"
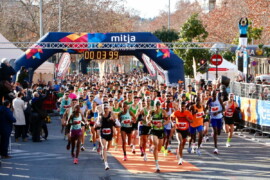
(101, 55)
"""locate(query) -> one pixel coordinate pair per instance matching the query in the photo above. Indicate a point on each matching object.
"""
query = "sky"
(150, 8)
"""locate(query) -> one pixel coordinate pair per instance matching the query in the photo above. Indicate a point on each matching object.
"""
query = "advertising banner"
(149, 65)
(248, 109)
(159, 70)
(264, 113)
(63, 66)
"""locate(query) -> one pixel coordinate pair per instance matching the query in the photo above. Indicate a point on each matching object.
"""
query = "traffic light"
(203, 66)
(202, 62)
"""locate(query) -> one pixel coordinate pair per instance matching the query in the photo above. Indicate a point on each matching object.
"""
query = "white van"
(263, 77)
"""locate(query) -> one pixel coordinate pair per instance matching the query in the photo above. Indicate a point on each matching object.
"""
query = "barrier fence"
(250, 90)
(254, 102)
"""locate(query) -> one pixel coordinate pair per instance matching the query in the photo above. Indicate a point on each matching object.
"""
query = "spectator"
(22, 77)
(266, 94)
(6, 124)
(6, 72)
(19, 107)
(38, 116)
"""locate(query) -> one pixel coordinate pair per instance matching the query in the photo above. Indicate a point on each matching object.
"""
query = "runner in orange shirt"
(197, 124)
(182, 119)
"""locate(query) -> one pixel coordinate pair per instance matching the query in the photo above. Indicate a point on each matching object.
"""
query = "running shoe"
(133, 151)
(82, 148)
(98, 150)
(75, 161)
(94, 148)
(125, 158)
(204, 139)
(189, 150)
(169, 149)
(192, 150)
(165, 152)
(72, 154)
(215, 151)
(106, 166)
(198, 152)
(207, 138)
(180, 162)
(157, 168)
(145, 157)
(90, 139)
(142, 154)
(228, 144)
(162, 149)
(68, 146)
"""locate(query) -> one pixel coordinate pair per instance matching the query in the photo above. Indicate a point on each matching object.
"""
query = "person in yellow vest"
(190, 92)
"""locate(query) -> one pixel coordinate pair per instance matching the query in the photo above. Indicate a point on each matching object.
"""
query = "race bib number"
(106, 131)
(127, 121)
(229, 113)
(214, 109)
(156, 122)
(199, 114)
(182, 126)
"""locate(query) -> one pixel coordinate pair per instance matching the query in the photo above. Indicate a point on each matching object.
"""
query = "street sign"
(216, 59)
(219, 69)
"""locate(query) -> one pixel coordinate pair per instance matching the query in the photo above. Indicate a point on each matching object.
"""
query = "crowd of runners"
(122, 111)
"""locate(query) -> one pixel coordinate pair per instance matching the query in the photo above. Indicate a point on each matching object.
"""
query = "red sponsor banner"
(63, 66)
(219, 69)
(149, 65)
(159, 69)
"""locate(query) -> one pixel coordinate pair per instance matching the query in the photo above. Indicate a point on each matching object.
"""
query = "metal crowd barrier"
(254, 102)
(251, 90)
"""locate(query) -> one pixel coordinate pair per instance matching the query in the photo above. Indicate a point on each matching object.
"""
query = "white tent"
(44, 73)
(11, 53)
(227, 69)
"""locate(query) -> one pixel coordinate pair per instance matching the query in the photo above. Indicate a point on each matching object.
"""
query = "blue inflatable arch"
(162, 56)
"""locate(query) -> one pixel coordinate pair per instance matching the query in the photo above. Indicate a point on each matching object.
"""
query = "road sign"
(219, 69)
(216, 59)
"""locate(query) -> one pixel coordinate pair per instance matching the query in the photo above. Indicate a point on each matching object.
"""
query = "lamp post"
(169, 14)
(59, 14)
(40, 18)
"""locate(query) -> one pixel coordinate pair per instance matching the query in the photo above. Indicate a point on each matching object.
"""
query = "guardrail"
(251, 90)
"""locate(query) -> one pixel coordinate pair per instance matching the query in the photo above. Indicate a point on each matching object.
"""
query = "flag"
(194, 68)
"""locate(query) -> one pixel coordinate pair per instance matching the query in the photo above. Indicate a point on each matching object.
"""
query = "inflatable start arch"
(159, 60)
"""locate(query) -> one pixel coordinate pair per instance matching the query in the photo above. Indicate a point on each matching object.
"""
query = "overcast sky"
(150, 8)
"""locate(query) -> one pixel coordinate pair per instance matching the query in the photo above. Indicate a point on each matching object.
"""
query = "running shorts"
(216, 123)
(75, 133)
(229, 120)
(135, 126)
(167, 132)
(192, 130)
(183, 133)
(128, 130)
(144, 130)
(158, 133)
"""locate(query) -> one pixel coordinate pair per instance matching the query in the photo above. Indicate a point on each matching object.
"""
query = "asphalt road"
(49, 160)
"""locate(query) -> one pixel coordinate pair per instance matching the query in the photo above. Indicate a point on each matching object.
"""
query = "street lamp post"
(41, 19)
(169, 14)
(59, 13)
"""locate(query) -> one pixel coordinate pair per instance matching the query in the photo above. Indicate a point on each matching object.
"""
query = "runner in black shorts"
(126, 117)
(182, 119)
(158, 118)
(230, 107)
(106, 123)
